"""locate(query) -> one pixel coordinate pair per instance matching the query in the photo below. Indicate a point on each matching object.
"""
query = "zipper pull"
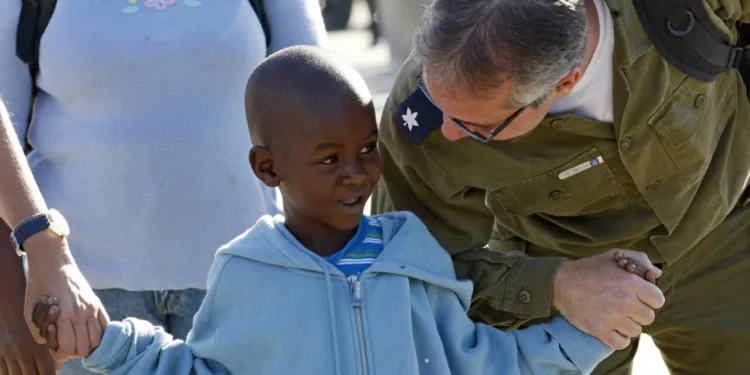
(356, 287)
(352, 285)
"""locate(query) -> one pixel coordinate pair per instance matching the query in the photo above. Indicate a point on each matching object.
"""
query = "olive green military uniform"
(675, 164)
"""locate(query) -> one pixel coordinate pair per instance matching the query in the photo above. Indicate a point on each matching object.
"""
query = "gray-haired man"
(564, 134)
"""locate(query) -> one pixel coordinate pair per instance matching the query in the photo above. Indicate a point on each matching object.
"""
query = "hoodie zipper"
(356, 287)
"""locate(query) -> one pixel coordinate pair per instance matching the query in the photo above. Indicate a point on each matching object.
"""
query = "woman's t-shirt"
(139, 129)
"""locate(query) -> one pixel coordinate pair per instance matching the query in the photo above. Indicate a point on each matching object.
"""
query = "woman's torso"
(140, 136)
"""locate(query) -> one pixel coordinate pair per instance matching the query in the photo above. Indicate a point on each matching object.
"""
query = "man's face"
(482, 116)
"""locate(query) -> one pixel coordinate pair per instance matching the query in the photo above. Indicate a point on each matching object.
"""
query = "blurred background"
(377, 50)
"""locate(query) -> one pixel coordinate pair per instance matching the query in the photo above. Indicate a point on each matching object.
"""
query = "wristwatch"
(52, 220)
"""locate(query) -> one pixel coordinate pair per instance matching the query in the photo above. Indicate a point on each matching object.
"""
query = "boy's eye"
(370, 147)
(330, 159)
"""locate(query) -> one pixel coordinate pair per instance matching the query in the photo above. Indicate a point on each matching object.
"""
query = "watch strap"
(27, 228)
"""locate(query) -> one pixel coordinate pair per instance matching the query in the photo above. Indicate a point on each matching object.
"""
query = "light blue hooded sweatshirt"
(275, 308)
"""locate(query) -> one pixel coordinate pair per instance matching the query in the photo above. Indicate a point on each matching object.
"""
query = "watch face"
(58, 223)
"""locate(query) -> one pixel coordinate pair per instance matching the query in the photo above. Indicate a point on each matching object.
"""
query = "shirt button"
(524, 297)
(652, 186)
(700, 101)
(558, 124)
(626, 144)
(556, 195)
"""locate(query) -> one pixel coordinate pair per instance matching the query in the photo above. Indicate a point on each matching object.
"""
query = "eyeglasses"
(479, 137)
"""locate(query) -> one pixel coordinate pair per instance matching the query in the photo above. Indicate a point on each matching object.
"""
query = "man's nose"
(451, 131)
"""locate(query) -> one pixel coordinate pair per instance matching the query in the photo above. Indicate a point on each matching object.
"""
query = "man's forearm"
(510, 289)
(19, 194)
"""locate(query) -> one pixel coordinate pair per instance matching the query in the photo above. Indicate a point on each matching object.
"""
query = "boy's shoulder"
(253, 237)
(396, 219)
(408, 242)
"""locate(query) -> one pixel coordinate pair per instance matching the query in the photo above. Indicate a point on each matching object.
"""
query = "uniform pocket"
(689, 126)
(583, 186)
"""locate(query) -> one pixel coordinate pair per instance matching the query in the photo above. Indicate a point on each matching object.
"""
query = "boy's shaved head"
(300, 87)
(313, 124)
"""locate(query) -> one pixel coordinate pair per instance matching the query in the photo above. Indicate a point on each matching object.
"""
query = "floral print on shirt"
(134, 6)
(158, 4)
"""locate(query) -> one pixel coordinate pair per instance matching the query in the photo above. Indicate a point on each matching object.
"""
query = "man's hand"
(52, 272)
(605, 301)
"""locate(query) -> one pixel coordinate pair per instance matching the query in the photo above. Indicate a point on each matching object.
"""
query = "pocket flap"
(584, 185)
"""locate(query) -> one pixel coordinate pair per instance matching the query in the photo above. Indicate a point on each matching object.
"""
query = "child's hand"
(44, 317)
(632, 266)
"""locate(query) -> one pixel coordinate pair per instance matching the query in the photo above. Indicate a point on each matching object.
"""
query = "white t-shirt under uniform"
(592, 95)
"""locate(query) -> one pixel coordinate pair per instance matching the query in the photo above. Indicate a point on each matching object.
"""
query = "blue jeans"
(171, 309)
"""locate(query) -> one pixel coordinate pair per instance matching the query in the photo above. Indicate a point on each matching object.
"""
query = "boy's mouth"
(353, 203)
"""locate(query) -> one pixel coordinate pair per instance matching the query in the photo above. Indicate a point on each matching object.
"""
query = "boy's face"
(327, 169)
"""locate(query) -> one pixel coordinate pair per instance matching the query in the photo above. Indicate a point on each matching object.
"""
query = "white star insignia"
(410, 119)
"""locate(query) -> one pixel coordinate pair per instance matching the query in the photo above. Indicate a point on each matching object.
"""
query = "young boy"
(324, 289)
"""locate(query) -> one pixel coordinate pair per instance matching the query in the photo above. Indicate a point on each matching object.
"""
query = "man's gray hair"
(476, 45)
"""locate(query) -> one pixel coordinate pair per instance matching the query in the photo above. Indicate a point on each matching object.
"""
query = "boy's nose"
(355, 174)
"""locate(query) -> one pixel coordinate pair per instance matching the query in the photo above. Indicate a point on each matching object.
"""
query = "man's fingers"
(630, 328)
(616, 341)
(95, 334)
(3, 367)
(642, 314)
(651, 296)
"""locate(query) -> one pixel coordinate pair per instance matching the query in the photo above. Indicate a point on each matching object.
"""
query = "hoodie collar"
(408, 249)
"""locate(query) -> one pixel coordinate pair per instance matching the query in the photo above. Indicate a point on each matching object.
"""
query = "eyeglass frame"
(479, 137)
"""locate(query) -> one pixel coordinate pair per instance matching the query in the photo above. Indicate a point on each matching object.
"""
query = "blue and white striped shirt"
(362, 249)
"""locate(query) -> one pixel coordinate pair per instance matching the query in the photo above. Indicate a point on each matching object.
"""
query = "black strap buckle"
(735, 58)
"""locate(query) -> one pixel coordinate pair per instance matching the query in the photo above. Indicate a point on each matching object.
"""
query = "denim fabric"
(171, 309)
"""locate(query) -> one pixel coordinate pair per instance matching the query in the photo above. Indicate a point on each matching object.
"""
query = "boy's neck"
(318, 237)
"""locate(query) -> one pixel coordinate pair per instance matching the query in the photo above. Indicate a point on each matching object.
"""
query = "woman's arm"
(52, 270)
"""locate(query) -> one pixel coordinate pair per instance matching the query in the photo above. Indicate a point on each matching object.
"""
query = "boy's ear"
(261, 160)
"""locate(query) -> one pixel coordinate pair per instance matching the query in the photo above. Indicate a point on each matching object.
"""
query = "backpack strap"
(744, 29)
(33, 20)
(682, 31)
(35, 15)
(260, 11)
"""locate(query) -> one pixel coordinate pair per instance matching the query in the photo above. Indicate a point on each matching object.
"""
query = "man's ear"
(566, 85)
(261, 160)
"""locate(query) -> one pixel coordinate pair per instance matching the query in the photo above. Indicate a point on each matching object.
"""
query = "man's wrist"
(558, 282)
(530, 283)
